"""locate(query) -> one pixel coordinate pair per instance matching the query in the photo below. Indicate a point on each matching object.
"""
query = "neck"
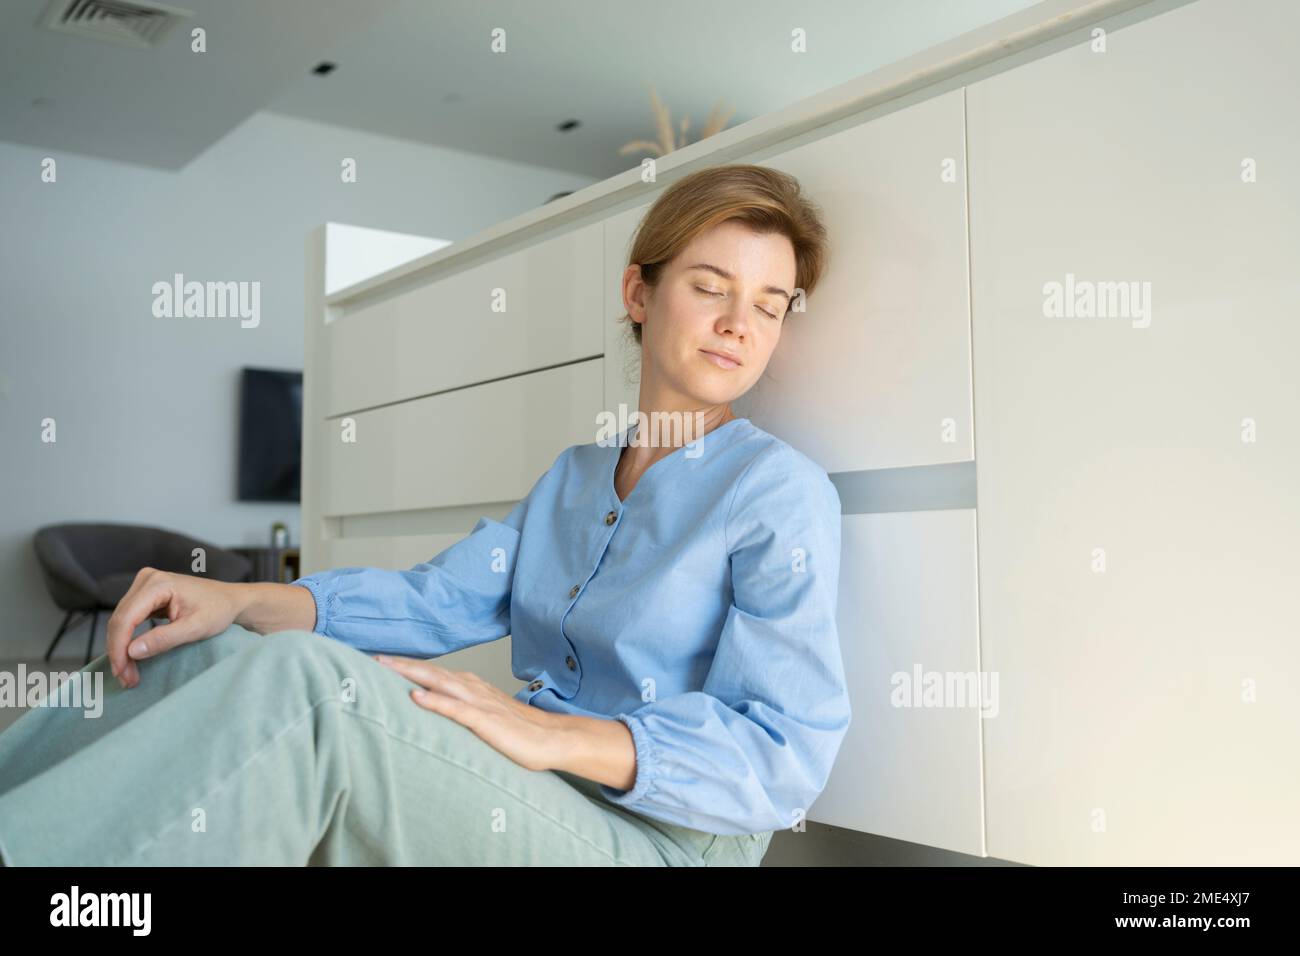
(673, 428)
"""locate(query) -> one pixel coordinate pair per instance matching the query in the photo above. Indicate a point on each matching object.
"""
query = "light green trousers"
(293, 749)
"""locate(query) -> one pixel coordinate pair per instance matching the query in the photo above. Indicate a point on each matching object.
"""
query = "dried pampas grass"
(664, 126)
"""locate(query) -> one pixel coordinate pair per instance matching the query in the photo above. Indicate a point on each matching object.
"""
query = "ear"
(635, 293)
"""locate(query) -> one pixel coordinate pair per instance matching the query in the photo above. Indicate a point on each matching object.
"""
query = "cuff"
(322, 604)
(647, 765)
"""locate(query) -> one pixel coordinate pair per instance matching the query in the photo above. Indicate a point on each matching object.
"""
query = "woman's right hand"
(196, 608)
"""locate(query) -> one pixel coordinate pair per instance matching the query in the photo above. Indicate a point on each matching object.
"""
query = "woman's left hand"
(526, 734)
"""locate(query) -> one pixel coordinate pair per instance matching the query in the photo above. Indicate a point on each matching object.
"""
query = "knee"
(293, 648)
(323, 663)
(232, 639)
(193, 656)
(291, 641)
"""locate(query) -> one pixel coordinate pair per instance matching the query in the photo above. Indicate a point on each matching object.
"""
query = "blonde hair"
(766, 200)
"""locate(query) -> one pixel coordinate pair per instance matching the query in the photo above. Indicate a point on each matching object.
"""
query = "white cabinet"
(389, 551)
(909, 767)
(1138, 563)
(876, 373)
(622, 354)
(487, 443)
(521, 311)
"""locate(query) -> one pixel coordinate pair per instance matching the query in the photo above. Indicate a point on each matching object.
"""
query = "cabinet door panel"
(1137, 545)
(909, 767)
(876, 374)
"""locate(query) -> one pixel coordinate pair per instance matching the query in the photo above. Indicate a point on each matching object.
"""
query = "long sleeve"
(754, 748)
(458, 598)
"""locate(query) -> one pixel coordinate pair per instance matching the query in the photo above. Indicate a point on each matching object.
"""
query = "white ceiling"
(162, 106)
(423, 70)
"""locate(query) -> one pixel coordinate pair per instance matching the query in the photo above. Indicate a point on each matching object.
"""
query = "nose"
(735, 318)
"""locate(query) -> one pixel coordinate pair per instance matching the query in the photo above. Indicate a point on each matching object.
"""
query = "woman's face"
(727, 292)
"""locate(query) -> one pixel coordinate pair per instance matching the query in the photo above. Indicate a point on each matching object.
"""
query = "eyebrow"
(727, 275)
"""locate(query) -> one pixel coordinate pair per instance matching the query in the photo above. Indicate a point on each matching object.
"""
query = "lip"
(722, 359)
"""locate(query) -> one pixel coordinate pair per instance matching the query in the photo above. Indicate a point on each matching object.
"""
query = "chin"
(708, 396)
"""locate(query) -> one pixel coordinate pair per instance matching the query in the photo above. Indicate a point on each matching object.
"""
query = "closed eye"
(711, 292)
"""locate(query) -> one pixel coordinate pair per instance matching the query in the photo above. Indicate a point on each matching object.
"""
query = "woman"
(671, 605)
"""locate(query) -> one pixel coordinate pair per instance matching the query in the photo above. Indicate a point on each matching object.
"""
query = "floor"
(822, 845)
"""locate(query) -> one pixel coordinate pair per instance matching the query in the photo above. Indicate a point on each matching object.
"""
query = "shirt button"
(535, 685)
(573, 591)
(611, 517)
(573, 665)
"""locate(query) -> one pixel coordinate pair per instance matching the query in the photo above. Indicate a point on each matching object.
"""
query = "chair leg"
(90, 641)
(62, 630)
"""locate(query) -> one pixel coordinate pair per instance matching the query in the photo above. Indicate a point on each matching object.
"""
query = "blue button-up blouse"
(700, 612)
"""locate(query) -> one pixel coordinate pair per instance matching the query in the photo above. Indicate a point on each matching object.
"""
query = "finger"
(416, 661)
(458, 710)
(163, 638)
(404, 665)
(422, 672)
(392, 661)
(450, 684)
(114, 642)
(147, 593)
(425, 698)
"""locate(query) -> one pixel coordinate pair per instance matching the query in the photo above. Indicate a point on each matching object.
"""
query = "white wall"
(146, 408)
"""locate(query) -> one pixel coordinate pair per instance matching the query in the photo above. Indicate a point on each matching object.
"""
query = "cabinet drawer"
(448, 333)
(482, 444)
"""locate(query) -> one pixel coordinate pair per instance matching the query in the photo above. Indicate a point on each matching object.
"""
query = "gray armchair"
(88, 568)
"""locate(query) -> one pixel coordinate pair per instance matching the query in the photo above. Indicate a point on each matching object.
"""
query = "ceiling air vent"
(136, 23)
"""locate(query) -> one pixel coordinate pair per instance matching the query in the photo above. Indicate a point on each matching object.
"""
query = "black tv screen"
(270, 435)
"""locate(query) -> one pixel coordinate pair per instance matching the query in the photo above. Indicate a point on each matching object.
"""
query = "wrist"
(266, 607)
(566, 736)
(597, 748)
(241, 598)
